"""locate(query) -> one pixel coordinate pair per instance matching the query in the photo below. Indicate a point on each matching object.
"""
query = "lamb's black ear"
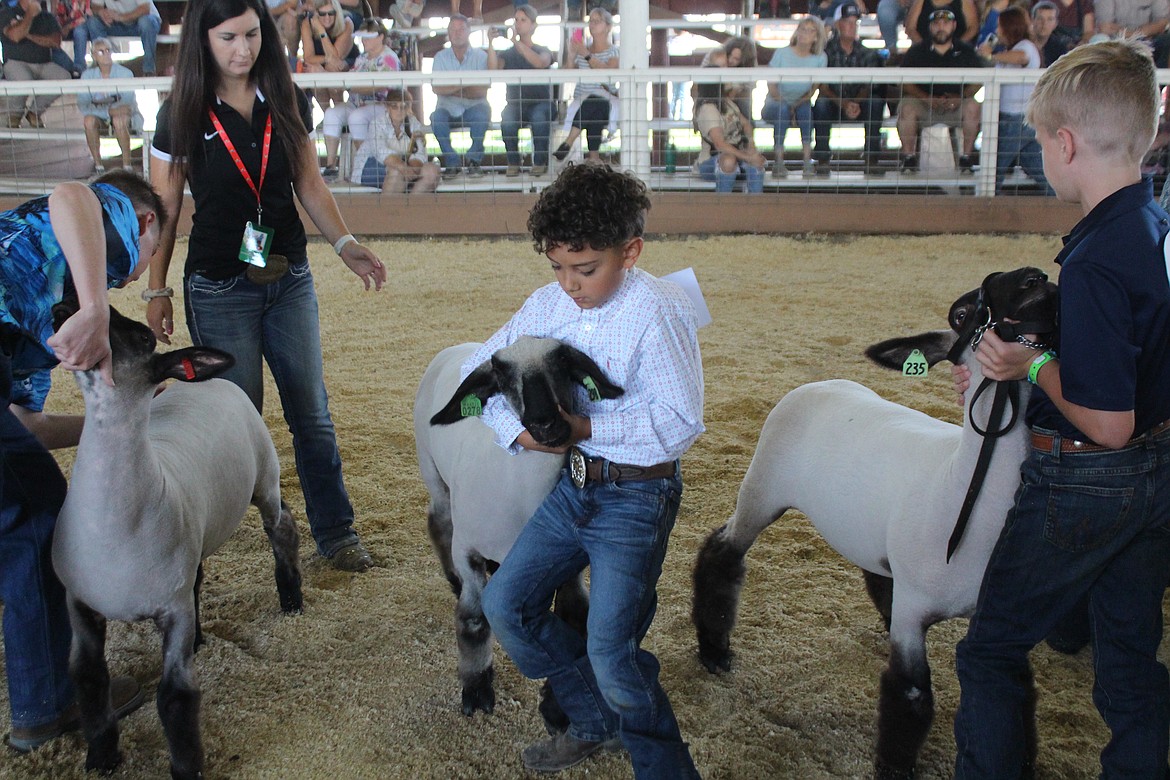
(480, 383)
(190, 364)
(64, 310)
(892, 353)
(582, 367)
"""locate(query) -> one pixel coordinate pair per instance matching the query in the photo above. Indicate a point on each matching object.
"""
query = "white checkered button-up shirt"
(644, 339)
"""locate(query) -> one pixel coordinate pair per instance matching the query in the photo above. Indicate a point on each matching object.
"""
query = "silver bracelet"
(341, 242)
(148, 294)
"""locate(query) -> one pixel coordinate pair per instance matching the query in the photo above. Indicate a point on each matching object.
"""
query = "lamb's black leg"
(282, 535)
(474, 637)
(881, 593)
(178, 695)
(572, 606)
(91, 678)
(198, 623)
(718, 580)
(905, 712)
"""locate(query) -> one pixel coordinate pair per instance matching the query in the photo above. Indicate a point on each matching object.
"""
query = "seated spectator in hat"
(922, 11)
(394, 155)
(826, 10)
(727, 151)
(933, 102)
(364, 103)
(848, 102)
(29, 38)
(1016, 138)
(463, 104)
(1148, 19)
(102, 111)
(1046, 34)
(134, 18)
(790, 102)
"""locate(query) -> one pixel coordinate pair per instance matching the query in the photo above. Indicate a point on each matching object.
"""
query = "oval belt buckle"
(577, 467)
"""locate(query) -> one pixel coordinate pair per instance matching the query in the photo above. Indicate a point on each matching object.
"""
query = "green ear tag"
(470, 406)
(915, 365)
(591, 386)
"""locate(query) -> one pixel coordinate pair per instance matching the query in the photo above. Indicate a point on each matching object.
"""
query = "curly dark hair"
(589, 205)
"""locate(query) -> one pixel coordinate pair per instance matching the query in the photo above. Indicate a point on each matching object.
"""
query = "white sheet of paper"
(686, 279)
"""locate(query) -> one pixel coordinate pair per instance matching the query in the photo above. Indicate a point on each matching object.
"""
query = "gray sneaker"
(475, 170)
(563, 751)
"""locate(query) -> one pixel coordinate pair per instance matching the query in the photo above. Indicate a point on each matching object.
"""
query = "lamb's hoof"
(479, 694)
(715, 658)
(104, 762)
(293, 604)
(555, 720)
(886, 772)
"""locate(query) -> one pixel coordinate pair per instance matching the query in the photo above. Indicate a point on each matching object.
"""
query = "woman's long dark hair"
(193, 87)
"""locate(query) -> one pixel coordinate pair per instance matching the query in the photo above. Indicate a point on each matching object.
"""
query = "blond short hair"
(1107, 92)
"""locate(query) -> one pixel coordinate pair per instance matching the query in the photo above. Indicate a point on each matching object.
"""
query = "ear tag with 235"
(915, 365)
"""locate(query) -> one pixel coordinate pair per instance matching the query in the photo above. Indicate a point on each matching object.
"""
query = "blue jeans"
(277, 324)
(1095, 523)
(709, 170)
(475, 118)
(782, 116)
(1016, 138)
(826, 111)
(606, 684)
(538, 116)
(145, 27)
(890, 13)
(36, 623)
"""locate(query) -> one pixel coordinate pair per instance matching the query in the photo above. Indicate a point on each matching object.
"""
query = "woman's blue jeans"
(606, 684)
(782, 116)
(1017, 139)
(537, 115)
(709, 170)
(1095, 523)
(36, 623)
(278, 324)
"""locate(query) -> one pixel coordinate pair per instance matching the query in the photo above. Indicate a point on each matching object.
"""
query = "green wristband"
(1038, 364)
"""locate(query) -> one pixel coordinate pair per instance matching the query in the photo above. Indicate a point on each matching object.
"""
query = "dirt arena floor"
(363, 684)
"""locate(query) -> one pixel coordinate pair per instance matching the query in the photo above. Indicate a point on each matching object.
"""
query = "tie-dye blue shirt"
(34, 276)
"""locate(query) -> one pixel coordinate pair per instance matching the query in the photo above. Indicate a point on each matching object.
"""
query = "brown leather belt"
(1044, 441)
(584, 469)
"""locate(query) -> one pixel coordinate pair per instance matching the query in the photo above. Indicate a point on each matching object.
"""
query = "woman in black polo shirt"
(237, 130)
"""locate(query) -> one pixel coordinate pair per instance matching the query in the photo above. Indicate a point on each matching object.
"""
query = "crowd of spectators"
(332, 36)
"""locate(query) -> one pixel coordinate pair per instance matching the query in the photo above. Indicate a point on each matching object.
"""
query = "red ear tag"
(188, 369)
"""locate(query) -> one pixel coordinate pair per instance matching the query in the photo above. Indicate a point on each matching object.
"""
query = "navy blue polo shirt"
(223, 200)
(1114, 314)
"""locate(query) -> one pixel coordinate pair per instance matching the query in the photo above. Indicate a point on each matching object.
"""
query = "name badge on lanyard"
(257, 239)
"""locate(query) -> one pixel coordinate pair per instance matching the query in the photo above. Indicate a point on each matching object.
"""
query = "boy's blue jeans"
(1089, 522)
(606, 684)
(278, 324)
(36, 623)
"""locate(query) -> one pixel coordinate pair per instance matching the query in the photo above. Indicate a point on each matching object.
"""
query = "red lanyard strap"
(240, 163)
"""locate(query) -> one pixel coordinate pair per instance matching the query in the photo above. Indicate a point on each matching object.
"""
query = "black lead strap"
(1005, 392)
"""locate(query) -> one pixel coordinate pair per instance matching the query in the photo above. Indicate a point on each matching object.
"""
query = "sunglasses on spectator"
(326, 13)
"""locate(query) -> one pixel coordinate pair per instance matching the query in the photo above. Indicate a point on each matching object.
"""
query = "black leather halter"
(1005, 393)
